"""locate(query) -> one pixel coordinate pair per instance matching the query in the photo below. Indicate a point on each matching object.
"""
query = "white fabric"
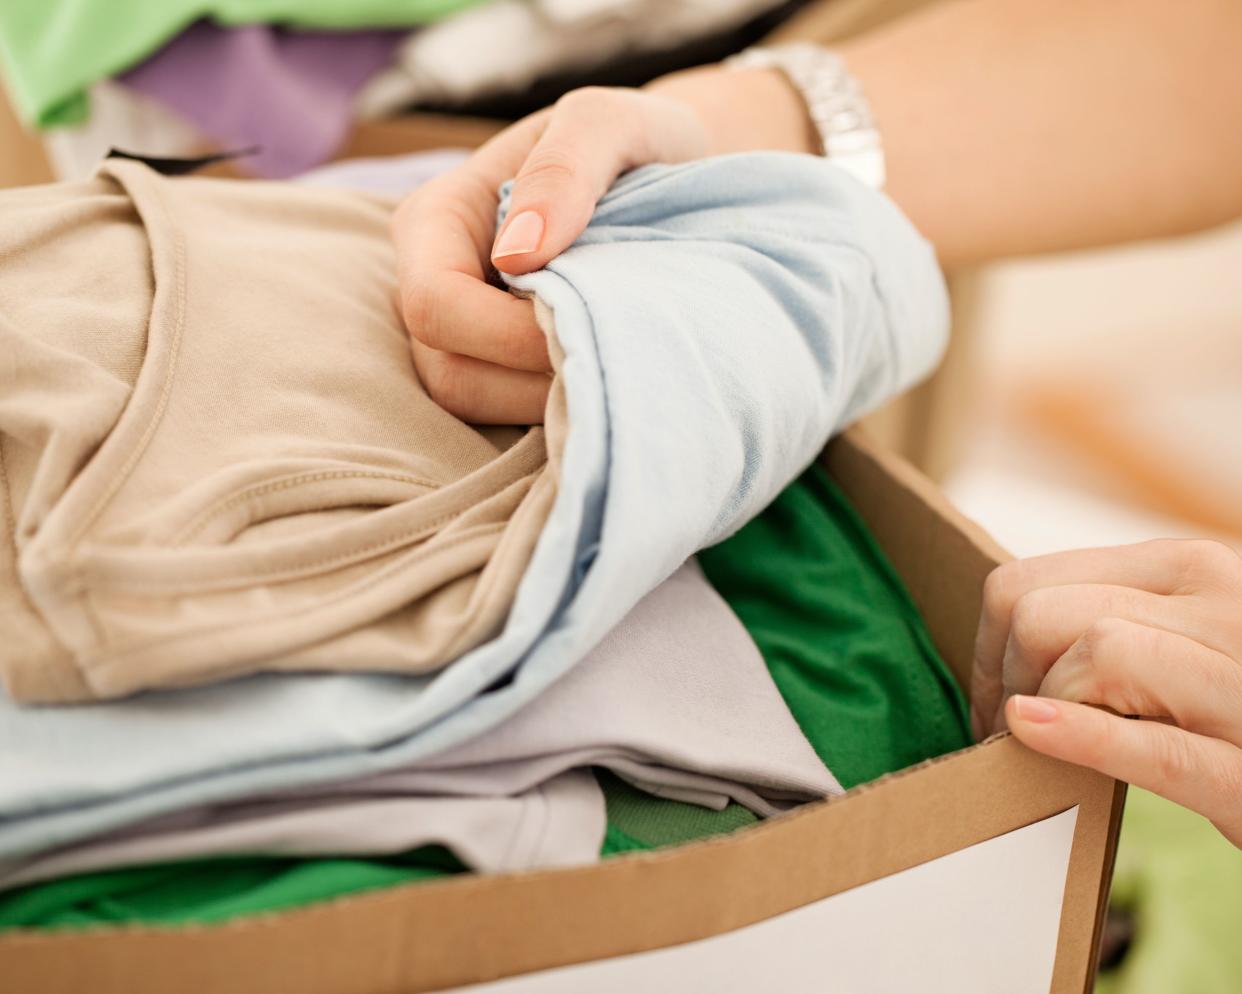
(120, 118)
(506, 45)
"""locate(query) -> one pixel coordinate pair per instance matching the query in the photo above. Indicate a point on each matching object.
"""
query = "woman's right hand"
(1152, 630)
(477, 348)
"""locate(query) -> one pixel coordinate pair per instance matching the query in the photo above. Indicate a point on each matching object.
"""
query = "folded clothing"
(817, 299)
(288, 93)
(851, 623)
(218, 455)
(676, 700)
(51, 54)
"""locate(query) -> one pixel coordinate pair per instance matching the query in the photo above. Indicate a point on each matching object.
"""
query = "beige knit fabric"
(215, 455)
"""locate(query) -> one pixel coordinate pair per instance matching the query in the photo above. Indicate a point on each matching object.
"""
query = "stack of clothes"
(278, 628)
(290, 77)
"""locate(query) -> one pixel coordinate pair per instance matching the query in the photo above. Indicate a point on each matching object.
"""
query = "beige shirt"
(215, 455)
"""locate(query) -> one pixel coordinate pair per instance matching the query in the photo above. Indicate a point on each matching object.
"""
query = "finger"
(455, 312)
(1046, 622)
(445, 229)
(450, 221)
(479, 392)
(593, 135)
(1139, 670)
(1200, 773)
(1159, 567)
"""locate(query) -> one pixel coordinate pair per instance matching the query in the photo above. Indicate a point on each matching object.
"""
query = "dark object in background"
(181, 166)
(1116, 937)
(631, 69)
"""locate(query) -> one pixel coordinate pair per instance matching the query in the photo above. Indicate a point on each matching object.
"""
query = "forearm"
(1014, 127)
(1022, 126)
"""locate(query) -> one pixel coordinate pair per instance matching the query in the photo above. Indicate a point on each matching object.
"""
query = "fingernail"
(1036, 709)
(521, 235)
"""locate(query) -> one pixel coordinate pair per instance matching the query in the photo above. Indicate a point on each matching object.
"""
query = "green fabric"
(648, 822)
(52, 51)
(210, 890)
(1182, 882)
(842, 639)
(840, 634)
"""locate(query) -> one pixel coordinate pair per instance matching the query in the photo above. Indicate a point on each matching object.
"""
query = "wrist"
(834, 102)
(743, 110)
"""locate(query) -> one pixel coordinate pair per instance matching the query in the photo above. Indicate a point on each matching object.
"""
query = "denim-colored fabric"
(718, 321)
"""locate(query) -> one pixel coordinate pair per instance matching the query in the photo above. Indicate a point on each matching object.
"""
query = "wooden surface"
(22, 161)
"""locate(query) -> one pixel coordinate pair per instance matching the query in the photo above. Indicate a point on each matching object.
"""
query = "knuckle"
(412, 211)
(1204, 560)
(445, 380)
(1173, 757)
(1001, 590)
(587, 100)
(419, 303)
(1211, 553)
(1106, 638)
(552, 164)
(1029, 620)
(1100, 659)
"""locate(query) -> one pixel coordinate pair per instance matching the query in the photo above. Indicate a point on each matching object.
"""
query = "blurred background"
(1088, 399)
(1104, 405)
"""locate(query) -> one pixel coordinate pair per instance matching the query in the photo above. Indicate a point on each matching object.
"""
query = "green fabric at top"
(53, 50)
(840, 634)
(845, 646)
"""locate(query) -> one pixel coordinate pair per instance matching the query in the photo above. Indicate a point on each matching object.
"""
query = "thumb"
(592, 136)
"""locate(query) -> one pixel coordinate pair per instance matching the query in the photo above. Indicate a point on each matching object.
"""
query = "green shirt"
(52, 51)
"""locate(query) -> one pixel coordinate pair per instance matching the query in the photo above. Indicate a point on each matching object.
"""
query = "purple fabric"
(289, 92)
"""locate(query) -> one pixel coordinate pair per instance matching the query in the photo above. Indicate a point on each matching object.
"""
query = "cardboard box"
(711, 894)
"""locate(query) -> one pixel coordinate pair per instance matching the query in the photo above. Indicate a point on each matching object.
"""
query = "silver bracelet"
(834, 100)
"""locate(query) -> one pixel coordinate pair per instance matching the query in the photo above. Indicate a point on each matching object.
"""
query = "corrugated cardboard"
(424, 937)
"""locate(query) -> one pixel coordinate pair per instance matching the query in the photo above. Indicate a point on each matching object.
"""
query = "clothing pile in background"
(290, 78)
(303, 612)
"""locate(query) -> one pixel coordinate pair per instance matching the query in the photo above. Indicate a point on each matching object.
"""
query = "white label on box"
(983, 920)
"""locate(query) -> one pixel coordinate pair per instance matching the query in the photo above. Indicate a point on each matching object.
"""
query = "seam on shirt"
(389, 543)
(102, 666)
(200, 520)
(85, 575)
(532, 803)
(23, 596)
(174, 352)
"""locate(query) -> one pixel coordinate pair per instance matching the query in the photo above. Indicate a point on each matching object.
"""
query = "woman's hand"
(1152, 630)
(477, 348)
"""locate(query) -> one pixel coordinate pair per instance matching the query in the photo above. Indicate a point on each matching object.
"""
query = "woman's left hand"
(1151, 630)
(477, 349)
